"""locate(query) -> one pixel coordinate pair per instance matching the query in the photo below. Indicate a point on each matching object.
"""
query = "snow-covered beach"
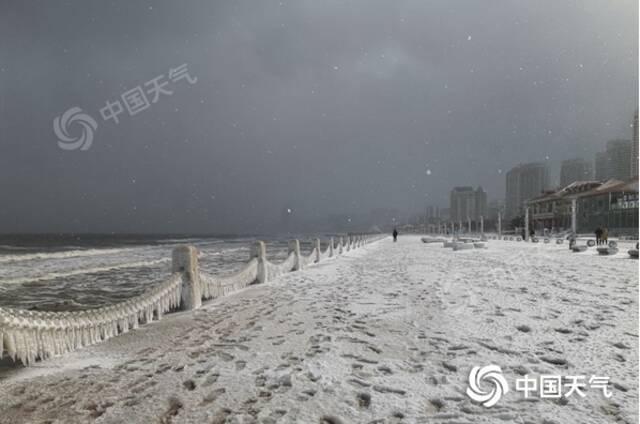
(386, 333)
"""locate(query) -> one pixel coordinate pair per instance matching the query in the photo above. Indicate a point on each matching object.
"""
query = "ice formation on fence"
(30, 335)
(27, 335)
(218, 286)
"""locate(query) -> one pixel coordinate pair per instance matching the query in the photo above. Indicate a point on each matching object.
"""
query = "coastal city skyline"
(617, 161)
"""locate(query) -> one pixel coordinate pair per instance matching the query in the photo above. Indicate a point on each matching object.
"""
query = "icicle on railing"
(216, 286)
(30, 335)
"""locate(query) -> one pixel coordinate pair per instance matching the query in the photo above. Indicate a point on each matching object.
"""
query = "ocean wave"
(60, 255)
(55, 275)
(186, 240)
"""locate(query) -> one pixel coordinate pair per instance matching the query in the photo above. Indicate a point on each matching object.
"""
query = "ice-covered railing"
(30, 335)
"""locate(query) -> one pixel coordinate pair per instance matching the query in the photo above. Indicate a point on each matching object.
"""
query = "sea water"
(64, 273)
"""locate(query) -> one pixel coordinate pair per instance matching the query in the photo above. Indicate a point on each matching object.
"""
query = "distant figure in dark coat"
(605, 236)
(598, 236)
(395, 235)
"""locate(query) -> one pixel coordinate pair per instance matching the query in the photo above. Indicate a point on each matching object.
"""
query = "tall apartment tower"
(614, 162)
(575, 170)
(602, 166)
(524, 182)
(467, 203)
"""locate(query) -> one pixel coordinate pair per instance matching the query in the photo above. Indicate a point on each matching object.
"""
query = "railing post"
(331, 247)
(294, 246)
(316, 243)
(340, 242)
(259, 251)
(526, 223)
(185, 261)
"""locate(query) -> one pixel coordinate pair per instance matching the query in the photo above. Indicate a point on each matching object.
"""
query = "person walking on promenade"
(395, 235)
(605, 236)
(598, 235)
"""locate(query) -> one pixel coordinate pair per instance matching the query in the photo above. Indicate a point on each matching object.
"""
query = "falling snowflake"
(428, 172)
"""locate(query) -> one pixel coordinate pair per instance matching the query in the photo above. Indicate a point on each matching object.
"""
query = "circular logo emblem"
(490, 375)
(74, 116)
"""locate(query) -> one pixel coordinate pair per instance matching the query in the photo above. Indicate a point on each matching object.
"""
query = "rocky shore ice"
(387, 333)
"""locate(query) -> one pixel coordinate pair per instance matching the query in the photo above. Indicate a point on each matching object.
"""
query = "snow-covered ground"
(387, 333)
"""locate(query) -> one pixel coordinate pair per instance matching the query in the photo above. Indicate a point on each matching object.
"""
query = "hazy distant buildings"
(494, 208)
(433, 213)
(602, 166)
(619, 152)
(634, 147)
(524, 182)
(467, 203)
(575, 170)
(614, 161)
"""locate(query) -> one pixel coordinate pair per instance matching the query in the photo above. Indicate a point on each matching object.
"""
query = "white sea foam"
(60, 255)
(73, 272)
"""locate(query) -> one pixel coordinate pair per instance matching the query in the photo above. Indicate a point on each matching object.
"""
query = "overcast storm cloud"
(319, 106)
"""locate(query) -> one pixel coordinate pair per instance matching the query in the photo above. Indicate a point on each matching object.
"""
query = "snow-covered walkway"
(384, 334)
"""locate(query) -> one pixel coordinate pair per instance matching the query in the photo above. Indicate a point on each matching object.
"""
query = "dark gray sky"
(321, 106)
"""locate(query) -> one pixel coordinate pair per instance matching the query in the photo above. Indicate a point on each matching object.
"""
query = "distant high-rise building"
(524, 182)
(467, 203)
(634, 147)
(614, 161)
(432, 212)
(575, 170)
(619, 152)
(602, 166)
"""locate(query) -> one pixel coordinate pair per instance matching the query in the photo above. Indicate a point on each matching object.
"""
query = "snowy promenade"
(387, 333)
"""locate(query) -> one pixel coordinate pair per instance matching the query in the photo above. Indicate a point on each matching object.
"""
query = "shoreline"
(388, 330)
